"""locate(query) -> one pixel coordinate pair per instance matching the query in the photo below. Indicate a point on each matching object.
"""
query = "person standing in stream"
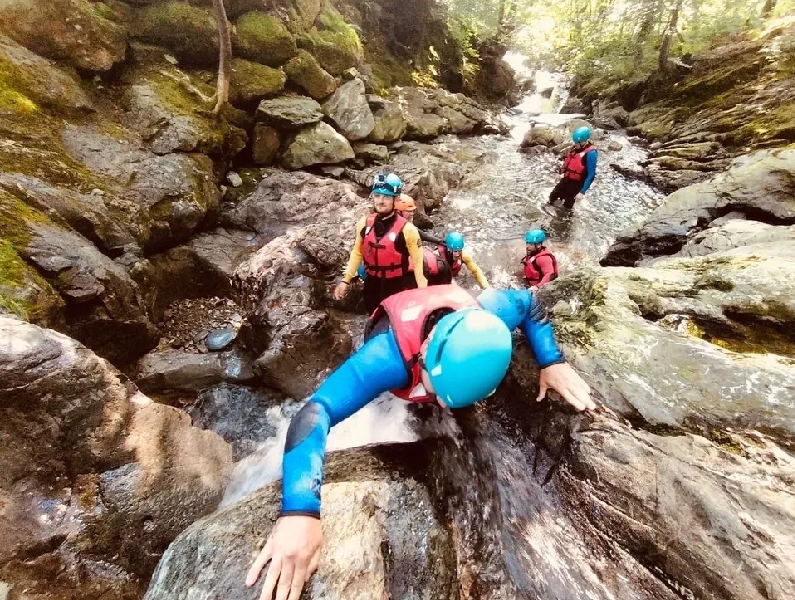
(540, 265)
(436, 344)
(385, 241)
(579, 170)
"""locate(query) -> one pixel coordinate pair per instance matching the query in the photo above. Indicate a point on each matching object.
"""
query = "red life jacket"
(532, 273)
(455, 264)
(430, 263)
(408, 312)
(574, 163)
(381, 258)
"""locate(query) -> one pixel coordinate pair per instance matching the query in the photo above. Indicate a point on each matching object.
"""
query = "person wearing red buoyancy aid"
(430, 345)
(579, 170)
(445, 262)
(540, 265)
(385, 244)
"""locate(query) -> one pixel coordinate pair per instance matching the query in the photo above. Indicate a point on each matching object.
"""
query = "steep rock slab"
(760, 185)
(733, 234)
(387, 539)
(349, 110)
(103, 303)
(96, 479)
(319, 144)
(308, 223)
(67, 30)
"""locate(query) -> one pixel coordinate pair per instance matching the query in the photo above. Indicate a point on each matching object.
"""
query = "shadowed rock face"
(96, 478)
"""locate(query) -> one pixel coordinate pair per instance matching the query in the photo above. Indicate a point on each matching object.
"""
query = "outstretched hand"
(566, 382)
(340, 291)
(293, 550)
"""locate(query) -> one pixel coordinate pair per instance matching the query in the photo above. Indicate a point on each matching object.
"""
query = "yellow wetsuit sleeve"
(356, 253)
(467, 259)
(414, 244)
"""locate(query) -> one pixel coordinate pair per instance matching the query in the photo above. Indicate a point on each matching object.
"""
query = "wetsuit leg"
(371, 293)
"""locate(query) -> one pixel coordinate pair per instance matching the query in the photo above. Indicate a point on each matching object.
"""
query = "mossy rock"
(188, 31)
(264, 38)
(334, 43)
(23, 292)
(305, 72)
(70, 30)
(253, 81)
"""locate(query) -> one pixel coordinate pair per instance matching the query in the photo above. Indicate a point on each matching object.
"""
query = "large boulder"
(161, 199)
(307, 221)
(190, 32)
(178, 371)
(418, 111)
(333, 42)
(735, 233)
(251, 81)
(103, 302)
(263, 38)
(319, 144)
(161, 104)
(96, 479)
(349, 110)
(289, 111)
(385, 538)
(67, 30)
(760, 185)
(389, 124)
(305, 72)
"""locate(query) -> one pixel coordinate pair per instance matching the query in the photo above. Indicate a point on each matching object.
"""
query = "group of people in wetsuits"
(388, 252)
(424, 344)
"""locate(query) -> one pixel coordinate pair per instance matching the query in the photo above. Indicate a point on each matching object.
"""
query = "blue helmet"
(467, 356)
(535, 236)
(387, 184)
(454, 241)
(581, 134)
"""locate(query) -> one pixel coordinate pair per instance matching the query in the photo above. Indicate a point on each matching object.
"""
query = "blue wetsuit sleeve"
(590, 170)
(373, 369)
(519, 308)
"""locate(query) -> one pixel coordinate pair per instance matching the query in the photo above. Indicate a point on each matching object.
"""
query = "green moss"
(334, 43)
(304, 71)
(727, 442)
(264, 38)
(188, 31)
(15, 216)
(252, 81)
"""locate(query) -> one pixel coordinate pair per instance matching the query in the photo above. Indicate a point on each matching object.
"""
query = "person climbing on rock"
(444, 263)
(384, 243)
(436, 344)
(579, 170)
(540, 265)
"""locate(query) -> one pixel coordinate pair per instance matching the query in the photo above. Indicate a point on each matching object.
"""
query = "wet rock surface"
(97, 480)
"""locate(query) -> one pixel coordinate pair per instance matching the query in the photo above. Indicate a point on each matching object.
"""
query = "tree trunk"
(224, 57)
(670, 30)
(768, 8)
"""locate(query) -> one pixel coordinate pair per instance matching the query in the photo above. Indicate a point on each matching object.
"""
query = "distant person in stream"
(579, 170)
(385, 243)
(540, 265)
(432, 345)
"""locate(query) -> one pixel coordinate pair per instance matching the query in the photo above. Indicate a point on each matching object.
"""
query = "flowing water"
(493, 207)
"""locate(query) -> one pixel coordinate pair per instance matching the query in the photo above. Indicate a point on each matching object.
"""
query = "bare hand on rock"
(566, 382)
(341, 290)
(293, 550)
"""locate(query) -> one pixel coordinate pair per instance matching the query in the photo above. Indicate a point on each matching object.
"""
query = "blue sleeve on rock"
(518, 308)
(590, 170)
(375, 368)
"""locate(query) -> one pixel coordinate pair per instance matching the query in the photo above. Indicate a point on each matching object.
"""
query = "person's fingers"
(285, 579)
(261, 560)
(571, 398)
(542, 390)
(271, 578)
(313, 564)
(299, 579)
